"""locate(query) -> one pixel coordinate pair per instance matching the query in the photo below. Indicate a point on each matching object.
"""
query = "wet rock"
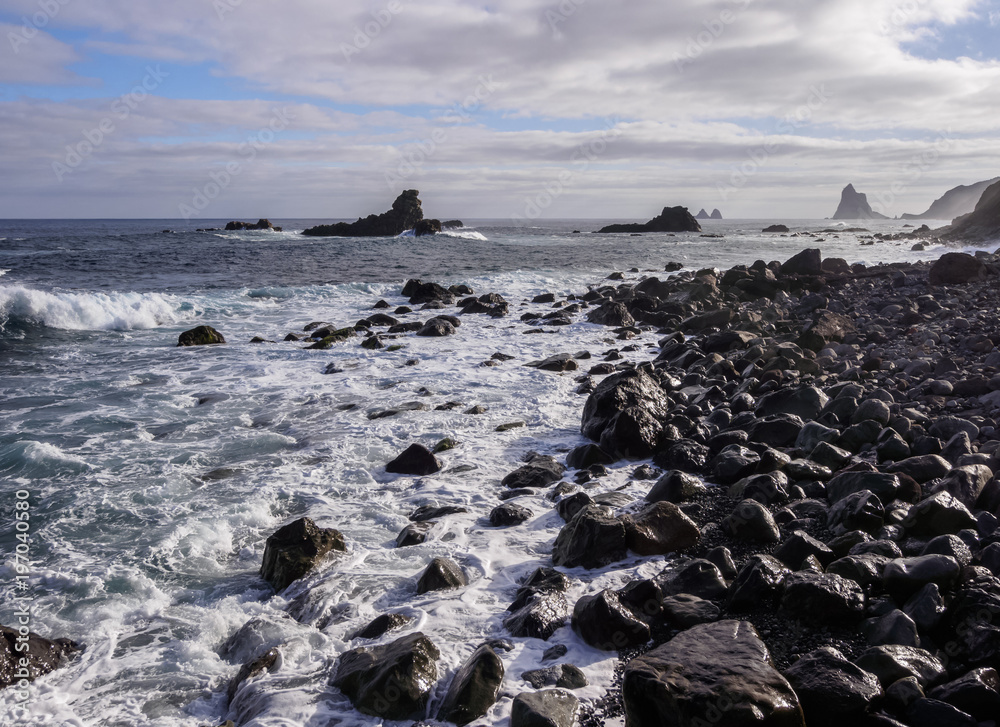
(950, 545)
(685, 455)
(295, 549)
(548, 708)
(617, 393)
(923, 468)
(540, 617)
(592, 539)
(884, 486)
(430, 512)
(932, 713)
(812, 433)
(733, 464)
(613, 314)
(966, 483)
(697, 577)
(557, 362)
(800, 546)
(807, 262)
(926, 607)
(905, 576)
(564, 676)
(683, 681)
(605, 623)
(541, 471)
(437, 327)
(806, 402)
(823, 597)
(865, 569)
(392, 681)
(751, 521)
(758, 583)
(419, 292)
(269, 661)
(779, 430)
(685, 610)
(414, 534)
(891, 663)
(200, 336)
(660, 528)
(508, 515)
(474, 688)
(976, 693)
(831, 689)
(946, 427)
(939, 514)
(587, 454)
(858, 511)
(415, 460)
(442, 574)
(382, 625)
(632, 434)
(31, 659)
(894, 627)
(675, 486)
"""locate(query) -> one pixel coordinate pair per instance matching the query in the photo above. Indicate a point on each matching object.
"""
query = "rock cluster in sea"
(260, 224)
(406, 214)
(671, 219)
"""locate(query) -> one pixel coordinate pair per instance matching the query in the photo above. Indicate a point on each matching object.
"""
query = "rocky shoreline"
(818, 446)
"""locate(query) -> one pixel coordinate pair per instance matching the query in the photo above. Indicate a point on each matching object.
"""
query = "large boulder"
(604, 622)
(392, 681)
(717, 673)
(295, 549)
(200, 336)
(593, 538)
(404, 215)
(632, 388)
(806, 402)
(807, 262)
(831, 689)
(415, 460)
(547, 708)
(441, 575)
(474, 688)
(24, 661)
(660, 528)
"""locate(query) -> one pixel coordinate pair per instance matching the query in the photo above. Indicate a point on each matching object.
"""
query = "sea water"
(154, 474)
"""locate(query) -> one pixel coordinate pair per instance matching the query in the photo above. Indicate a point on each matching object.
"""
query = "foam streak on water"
(156, 473)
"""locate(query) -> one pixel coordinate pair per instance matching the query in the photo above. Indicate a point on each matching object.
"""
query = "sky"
(509, 109)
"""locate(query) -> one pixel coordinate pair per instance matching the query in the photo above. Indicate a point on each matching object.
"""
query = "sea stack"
(854, 206)
(406, 214)
(671, 219)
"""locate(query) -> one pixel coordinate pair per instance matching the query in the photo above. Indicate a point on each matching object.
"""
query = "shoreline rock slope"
(814, 504)
(983, 223)
(954, 203)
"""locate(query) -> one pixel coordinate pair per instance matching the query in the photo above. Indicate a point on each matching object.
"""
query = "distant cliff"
(955, 202)
(983, 223)
(854, 206)
(672, 219)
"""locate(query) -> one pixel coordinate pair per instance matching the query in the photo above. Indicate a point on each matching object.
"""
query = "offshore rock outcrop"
(854, 206)
(406, 214)
(672, 219)
(260, 224)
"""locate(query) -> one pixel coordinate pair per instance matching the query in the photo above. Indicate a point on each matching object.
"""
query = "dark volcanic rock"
(294, 550)
(891, 663)
(605, 623)
(415, 460)
(508, 515)
(381, 625)
(831, 689)
(41, 657)
(684, 681)
(977, 693)
(200, 336)
(956, 268)
(660, 528)
(775, 228)
(939, 514)
(823, 597)
(442, 574)
(758, 582)
(565, 676)
(807, 262)
(266, 662)
(548, 708)
(540, 617)
(404, 215)
(392, 681)
(671, 219)
(593, 538)
(540, 471)
(474, 688)
(632, 388)
(752, 521)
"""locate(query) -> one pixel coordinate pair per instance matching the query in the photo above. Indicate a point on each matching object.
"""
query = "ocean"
(154, 474)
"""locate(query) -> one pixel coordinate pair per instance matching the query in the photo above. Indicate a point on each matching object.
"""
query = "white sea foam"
(86, 311)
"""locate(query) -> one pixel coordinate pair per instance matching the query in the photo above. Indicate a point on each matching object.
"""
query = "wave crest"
(27, 307)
